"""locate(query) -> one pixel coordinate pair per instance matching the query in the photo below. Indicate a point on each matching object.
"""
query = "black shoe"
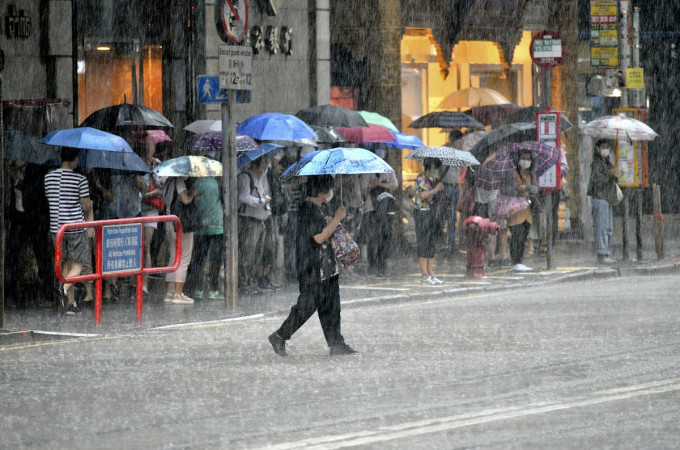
(72, 309)
(278, 344)
(62, 300)
(342, 349)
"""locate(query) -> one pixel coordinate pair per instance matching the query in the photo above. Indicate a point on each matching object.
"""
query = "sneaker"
(435, 280)
(62, 300)
(168, 298)
(181, 299)
(278, 344)
(605, 259)
(215, 295)
(427, 280)
(342, 349)
(72, 309)
(521, 268)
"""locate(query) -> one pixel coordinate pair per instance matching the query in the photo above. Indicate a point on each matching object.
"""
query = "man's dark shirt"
(314, 261)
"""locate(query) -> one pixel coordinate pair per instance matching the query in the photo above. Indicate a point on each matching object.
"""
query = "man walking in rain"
(317, 271)
(68, 195)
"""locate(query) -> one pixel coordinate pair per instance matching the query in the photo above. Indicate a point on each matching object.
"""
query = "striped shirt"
(64, 188)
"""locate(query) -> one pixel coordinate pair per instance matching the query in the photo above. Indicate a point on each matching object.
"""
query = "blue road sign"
(209, 91)
(121, 248)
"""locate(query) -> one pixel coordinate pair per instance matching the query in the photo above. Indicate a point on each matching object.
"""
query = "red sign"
(546, 49)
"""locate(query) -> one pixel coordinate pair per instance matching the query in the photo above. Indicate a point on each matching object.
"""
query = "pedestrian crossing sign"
(209, 91)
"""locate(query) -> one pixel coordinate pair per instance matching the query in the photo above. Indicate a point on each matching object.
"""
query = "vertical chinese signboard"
(604, 36)
(631, 156)
(548, 130)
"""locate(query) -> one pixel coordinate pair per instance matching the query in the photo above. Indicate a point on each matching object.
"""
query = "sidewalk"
(572, 260)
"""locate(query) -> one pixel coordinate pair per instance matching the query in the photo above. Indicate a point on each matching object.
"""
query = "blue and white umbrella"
(338, 161)
(275, 127)
(251, 155)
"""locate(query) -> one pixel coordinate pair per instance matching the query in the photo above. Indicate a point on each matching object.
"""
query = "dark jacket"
(602, 183)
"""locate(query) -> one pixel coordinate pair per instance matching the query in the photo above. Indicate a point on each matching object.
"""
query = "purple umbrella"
(493, 170)
(212, 142)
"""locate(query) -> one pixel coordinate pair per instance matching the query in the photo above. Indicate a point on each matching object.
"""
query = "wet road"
(591, 364)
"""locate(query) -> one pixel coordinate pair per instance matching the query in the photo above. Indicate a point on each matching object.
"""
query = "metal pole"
(2, 213)
(230, 202)
(625, 63)
(547, 207)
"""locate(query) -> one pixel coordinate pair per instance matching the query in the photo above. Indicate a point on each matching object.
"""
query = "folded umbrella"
(340, 161)
(449, 156)
(371, 133)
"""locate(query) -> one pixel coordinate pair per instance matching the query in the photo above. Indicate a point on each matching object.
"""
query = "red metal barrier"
(98, 274)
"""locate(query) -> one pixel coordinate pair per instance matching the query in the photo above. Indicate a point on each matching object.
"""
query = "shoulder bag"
(345, 249)
(189, 215)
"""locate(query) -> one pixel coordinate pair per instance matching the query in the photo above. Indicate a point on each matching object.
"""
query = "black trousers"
(519, 234)
(208, 247)
(379, 237)
(323, 297)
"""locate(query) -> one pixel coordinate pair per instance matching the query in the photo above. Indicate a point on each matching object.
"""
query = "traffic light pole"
(229, 201)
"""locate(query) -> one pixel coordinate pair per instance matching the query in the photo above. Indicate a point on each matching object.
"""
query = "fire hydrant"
(475, 229)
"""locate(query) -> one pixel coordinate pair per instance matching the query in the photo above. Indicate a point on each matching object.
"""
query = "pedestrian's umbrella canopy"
(502, 136)
(251, 155)
(327, 135)
(189, 166)
(449, 156)
(469, 140)
(331, 116)
(126, 115)
(528, 114)
(371, 133)
(447, 119)
(102, 150)
(490, 114)
(204, 126)
(619, 127)
(378, 119)
(23, 146)
(491, 174)
(471, 97)
(403, 140)
(275, 127)
(338, 161)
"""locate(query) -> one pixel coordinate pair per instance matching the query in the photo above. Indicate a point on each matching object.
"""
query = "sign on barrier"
(121, 248)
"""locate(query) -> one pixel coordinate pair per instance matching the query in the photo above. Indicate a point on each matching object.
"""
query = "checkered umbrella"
(493, 170)
(448, 156)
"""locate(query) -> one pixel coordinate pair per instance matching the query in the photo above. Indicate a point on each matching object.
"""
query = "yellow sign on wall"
(635, 78)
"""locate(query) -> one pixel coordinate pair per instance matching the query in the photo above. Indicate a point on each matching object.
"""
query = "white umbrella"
(448, 156)
(204, 126)
(619, 126)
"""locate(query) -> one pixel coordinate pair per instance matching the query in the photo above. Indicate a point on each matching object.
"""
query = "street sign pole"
(229, 205)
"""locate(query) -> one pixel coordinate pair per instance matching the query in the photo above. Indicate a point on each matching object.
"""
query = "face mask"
(525, 163)
(329, 197)
(435, 174)
(604, 152)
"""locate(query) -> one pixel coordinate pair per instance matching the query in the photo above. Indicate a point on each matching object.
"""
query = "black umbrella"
(447, 119)
(331, 116)
(327, 135)
(528, 114)
(502, 136)
(126, 115)
(489, 114)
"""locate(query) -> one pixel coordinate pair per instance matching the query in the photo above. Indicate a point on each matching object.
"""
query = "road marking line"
(374, 288)
(208, 322)
(416, 428)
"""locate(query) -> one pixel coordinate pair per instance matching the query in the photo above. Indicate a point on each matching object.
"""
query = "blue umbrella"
(102, 150)
(275, 127)
(403, 140)
(338, 161)
(251, 155)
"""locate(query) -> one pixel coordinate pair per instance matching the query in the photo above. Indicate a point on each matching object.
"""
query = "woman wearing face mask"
(520, 183)
(426, 188)
(317, 270)
(602, 190)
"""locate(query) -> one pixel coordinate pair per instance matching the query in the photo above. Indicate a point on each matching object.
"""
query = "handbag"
(156, 202)
(619, 195)
(345, 249)
(189, 215)
(507, 206)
